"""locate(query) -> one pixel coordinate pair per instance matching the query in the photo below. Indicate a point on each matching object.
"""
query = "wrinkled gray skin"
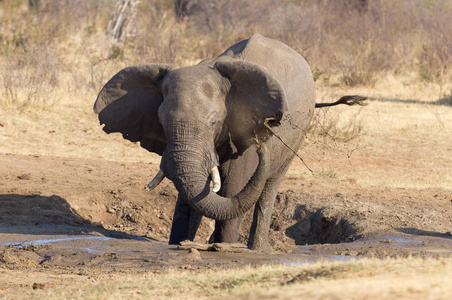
(217, 113)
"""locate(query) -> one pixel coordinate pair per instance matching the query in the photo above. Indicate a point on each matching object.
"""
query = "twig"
(285, 144)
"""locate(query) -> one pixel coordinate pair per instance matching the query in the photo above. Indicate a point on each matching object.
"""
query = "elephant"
(226, 129)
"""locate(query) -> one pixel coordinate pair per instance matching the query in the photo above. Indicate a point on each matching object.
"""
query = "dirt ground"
(68, 221)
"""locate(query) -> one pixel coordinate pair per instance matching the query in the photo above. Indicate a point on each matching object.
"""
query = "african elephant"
(235, 120)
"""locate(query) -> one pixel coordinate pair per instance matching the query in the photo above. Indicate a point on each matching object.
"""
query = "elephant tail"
(347, 100)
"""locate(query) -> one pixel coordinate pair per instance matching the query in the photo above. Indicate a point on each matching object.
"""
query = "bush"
(328, 125)
(50, 44)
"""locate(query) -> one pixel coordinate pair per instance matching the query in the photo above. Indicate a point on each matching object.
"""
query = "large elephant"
(235, 120)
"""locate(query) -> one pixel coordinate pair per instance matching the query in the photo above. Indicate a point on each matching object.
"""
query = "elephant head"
(186, 114)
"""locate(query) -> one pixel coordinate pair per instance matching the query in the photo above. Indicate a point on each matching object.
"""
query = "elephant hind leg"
(226, 231)
(260, 227)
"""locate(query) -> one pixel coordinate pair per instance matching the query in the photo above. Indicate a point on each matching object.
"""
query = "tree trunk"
(118, 26)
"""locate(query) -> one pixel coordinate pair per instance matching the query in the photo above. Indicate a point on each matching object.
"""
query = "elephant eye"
(213, 122)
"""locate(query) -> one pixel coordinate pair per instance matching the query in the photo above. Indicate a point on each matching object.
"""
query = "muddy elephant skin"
(223, 116)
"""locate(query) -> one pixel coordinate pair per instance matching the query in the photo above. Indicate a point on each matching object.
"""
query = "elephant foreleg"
(260, 227)
(185, 223)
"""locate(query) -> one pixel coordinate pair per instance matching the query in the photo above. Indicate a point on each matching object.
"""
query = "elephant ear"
(129, 103)
(255, 100)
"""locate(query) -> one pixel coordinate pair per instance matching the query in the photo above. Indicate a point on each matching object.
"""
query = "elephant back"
(287, 65)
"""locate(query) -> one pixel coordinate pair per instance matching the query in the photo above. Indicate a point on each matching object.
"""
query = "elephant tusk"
(156, 181)
(215, 175)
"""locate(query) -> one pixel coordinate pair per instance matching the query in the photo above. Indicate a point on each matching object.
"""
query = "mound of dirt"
(17, 258)
(111, 197)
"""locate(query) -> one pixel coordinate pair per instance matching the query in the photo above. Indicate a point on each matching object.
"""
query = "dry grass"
(65, 132)
(364, 279)
(55, 59)
(55, 48)
(399, 144)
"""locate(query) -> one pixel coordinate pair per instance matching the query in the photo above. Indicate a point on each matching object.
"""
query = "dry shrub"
(208, 29)
(360, 39)
(37, 48)
(447, 100)
(158, 39)
(49, 45)
(436, 52)
(329, 124)
(336, 131)
(361, 53)
(30, 76)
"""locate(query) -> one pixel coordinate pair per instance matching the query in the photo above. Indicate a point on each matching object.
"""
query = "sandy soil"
(67, 221)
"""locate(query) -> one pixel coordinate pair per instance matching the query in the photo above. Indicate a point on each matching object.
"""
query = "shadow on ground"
(415, 231)
(447, 101)
(320, 226)
(52, 214)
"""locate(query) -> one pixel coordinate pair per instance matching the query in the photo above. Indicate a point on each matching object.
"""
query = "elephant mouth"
(214, 175)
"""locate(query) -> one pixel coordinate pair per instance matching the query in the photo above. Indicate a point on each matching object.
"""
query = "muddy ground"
(71, 220)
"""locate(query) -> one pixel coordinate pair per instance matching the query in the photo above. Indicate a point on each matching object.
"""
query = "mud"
(75, 219)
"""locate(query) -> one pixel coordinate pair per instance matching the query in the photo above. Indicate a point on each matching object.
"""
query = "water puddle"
(390, 245)
(395, 239)
(43, 242)
(400, 240)
(125, 251)
(92, 250)
(93, 244)
(89, 243)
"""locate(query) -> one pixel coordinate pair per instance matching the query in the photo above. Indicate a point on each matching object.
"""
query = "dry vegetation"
(55, 52)
(55, 57)
(365, 279)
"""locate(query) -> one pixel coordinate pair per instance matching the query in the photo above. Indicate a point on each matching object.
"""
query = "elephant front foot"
(262, 246)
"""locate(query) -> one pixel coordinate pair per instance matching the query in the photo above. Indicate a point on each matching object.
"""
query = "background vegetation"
(52, 50)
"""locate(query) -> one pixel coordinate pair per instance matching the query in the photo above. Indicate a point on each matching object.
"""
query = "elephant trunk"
(191, 176)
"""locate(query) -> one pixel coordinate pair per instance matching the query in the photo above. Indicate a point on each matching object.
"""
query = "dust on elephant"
(221, 120)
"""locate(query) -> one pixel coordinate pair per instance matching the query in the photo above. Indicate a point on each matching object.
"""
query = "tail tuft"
(347, 100)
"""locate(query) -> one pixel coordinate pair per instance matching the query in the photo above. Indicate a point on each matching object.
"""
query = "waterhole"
(320, 226)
